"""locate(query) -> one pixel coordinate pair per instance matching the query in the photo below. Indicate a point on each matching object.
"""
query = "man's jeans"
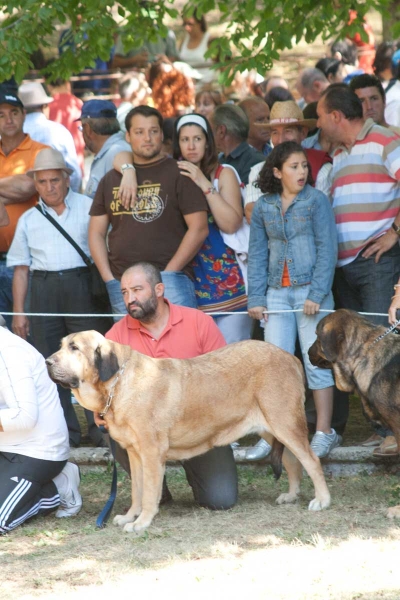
(366, 286)
(6, 300)
(179, 289)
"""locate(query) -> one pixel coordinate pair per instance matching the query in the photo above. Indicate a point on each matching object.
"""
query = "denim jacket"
(305, 237)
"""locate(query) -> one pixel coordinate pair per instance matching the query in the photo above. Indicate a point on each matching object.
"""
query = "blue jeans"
(6, 299)
(179, 289)
(234, 328)
(282, 328)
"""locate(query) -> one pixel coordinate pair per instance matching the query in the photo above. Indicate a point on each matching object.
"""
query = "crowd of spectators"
(257, 198)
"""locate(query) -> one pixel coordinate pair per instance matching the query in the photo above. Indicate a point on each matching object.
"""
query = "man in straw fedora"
(287, 123)
(60, 277)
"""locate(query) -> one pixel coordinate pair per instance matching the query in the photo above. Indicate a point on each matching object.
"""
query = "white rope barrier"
(213, 314)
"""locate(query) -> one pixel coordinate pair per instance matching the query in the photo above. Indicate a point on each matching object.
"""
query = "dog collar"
(111, 394)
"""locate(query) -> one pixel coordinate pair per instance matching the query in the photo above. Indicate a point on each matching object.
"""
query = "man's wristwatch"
(127, 166)
(396, 228)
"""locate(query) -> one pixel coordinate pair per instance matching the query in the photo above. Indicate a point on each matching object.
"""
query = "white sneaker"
(322, 443)
(67, 484)
(259, 451)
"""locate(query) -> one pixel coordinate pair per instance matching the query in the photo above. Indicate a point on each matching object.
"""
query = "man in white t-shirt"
(35, 477)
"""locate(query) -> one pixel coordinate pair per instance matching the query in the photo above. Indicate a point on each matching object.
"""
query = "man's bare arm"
(15, 189)
(191, 242)
(98, 227)
(20, 324)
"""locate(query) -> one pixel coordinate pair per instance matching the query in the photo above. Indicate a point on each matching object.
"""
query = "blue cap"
(96, 109)
(396, 58)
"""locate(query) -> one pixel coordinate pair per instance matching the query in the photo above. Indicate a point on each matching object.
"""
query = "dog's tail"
(276, 458)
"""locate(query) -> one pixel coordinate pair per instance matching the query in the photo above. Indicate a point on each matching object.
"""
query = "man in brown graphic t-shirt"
(166, 226)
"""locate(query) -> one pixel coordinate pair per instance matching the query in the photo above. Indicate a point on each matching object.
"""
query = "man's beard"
(144, 311)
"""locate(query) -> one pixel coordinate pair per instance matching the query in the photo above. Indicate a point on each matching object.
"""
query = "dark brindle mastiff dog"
(346, 344)
(162, 409)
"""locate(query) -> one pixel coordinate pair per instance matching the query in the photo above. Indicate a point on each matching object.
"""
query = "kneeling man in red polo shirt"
(159, 329)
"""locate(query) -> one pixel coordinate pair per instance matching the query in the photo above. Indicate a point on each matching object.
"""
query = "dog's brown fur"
(371, 370)
(345, 343)
(176, 409)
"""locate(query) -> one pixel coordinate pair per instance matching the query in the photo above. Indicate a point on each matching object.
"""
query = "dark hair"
(328, 65)
(267, 182)
(338, 96)
(366, 80)
(152, 273)
(277, 94)
(210, 158)
(144, 111)
(201, 20)
(383, 57)
(347, 51)
(168, 129)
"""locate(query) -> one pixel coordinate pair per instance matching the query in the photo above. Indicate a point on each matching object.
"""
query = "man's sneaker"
(259, 451)
(67, 483)
(322, 443)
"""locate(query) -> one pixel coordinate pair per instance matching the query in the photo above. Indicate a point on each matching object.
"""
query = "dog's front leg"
(137, 490)
(153, 473)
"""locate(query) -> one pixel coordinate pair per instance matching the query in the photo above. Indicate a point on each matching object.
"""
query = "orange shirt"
(18, 162)
(189, 333)
(285, 276)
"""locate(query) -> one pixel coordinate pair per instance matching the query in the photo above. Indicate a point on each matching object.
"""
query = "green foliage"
(257, 30)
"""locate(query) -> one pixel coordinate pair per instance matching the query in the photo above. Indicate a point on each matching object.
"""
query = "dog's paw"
(393, 512)
(122, 520)
(316, 504)
(132, 528)
(286, 498)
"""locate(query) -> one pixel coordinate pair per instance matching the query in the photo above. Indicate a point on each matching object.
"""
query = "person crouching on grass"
(292, 257)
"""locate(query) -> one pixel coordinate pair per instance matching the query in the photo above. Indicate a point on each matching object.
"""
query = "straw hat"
(33, 94)
(47, 159)
(288, 113)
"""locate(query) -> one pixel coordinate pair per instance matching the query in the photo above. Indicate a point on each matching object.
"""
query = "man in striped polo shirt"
(366, 202)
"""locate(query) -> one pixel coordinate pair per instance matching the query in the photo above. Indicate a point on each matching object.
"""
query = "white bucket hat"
(33, 94)
(49, 159)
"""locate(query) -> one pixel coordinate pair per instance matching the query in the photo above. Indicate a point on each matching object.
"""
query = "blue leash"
(103, 517)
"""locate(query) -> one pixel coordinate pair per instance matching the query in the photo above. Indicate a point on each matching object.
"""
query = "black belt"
(60, 273)
(3, 255)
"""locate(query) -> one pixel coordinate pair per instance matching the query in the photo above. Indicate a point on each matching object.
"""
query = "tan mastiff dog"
(174, 409)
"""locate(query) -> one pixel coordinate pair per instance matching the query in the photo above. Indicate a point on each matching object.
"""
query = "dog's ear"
(331, 339)
(106, 362)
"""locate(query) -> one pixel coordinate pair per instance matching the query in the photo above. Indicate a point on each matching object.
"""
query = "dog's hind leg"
(303, 453)
(295, 473)
(137, 490)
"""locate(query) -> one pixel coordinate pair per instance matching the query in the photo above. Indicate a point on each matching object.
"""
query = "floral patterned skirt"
(218, 279)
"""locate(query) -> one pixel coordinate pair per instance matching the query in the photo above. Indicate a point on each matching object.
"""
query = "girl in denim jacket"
(292, 257)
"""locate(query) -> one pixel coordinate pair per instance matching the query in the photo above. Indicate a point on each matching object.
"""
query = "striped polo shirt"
(366, 189)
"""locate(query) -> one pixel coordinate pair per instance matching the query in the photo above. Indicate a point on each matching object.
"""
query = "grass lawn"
(349, 551)
(268, 551)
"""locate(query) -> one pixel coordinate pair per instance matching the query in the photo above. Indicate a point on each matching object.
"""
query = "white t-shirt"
(30, 408)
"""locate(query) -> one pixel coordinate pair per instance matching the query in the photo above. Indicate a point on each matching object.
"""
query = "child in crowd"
(292, 257)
